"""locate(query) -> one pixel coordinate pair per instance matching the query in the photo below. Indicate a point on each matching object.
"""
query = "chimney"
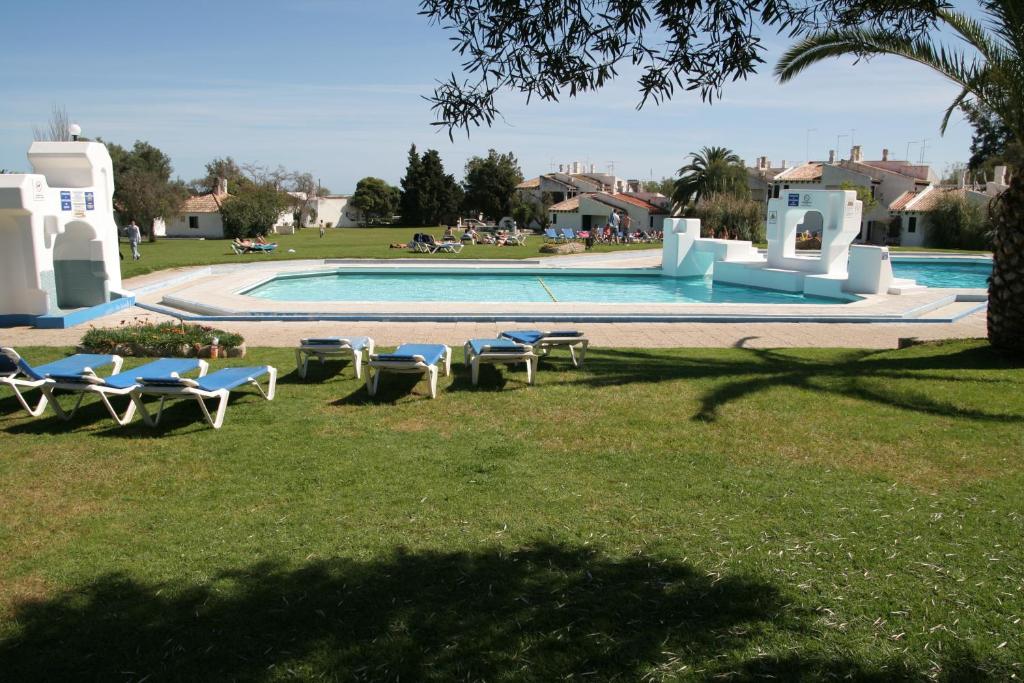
(784, 164)
(592, 168)
(855, 153)
(561, 168)
(222, 187)
(885, 155)
(831, 156)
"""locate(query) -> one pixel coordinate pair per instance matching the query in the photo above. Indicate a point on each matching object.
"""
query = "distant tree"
(409, 200)
(712, 170)
(958, 223)
(529, 212)
(305, 189)
(375, 199)
(225, 168)
(992, 143)
(57, 129)
(143, 189)
(863, 194)
(731, 215)
(665, 186)
(490, 184)
(429, 195)
(253, 211)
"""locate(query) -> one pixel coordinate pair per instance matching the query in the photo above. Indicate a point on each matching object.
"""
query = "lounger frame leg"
(432, 375)
(357, 362)
(40, 405)
(301, 363)
(59, 410)
(372, 380)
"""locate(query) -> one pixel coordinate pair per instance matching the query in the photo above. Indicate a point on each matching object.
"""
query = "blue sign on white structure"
(65, 200)
(90, 201)
(794, 200)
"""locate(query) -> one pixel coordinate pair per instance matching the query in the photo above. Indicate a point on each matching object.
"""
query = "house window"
(554, 219)
(775, 192)
(912, 224)
(193, 222)
(651, 222)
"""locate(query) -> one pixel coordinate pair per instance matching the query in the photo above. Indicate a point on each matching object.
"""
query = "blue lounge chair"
(120, 384)
(420, 359)
(217, 385)
(19, 375)
(499, 352)
(543, 341)
(324, 347)
(551, 235)
(568, 234)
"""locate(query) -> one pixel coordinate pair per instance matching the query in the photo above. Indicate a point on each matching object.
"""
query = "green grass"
(338, 243)
(669, 514)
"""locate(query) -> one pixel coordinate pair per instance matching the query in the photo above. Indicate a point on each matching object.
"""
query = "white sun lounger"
(420, 359)
(499, 352)
(323, 347)
(120, 384)
(20, 376)
(543, 341)
(450, 247)
(217, 385)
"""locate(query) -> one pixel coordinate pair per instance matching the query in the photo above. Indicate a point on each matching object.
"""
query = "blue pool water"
(944, 272)
(520, 288)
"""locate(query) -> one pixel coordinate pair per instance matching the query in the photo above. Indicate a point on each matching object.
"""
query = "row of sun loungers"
(162, 378)
(169, 379)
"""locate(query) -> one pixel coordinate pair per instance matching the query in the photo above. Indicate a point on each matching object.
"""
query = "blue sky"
(335, 87)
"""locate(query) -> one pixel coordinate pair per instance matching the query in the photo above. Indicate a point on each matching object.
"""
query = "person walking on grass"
(627, 224)
(134, 237)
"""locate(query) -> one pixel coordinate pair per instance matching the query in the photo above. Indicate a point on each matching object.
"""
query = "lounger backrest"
(9, 361)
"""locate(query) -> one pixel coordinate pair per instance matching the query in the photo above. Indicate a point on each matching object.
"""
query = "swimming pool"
(935, 272)
(533, 286)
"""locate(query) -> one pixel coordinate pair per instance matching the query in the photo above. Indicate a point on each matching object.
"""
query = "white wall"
(919, 236)
(211, 226)
(335, 210)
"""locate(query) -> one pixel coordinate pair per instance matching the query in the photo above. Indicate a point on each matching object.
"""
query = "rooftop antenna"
(610, 165)
(839, 147)
(912, 142)
(924, 147)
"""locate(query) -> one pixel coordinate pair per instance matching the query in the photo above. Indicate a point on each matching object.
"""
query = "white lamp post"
(75, 131)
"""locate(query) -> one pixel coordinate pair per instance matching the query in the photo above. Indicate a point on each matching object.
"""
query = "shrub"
(958, 223)
(161, 339)
(737, 217)
(253, 212)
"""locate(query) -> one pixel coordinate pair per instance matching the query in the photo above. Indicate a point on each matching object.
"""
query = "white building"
(334, 210)
(913, 211)
(574, 179)
(591, 210)
(200, 217)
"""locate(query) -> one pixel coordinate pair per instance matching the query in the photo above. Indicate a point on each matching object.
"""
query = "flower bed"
(162, 339)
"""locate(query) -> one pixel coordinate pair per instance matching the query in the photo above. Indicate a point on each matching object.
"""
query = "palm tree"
(990, 73)
(712, 170)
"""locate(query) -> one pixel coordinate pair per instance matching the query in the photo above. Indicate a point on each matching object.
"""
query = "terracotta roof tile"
(636, 201)
(807, 172)
(204, 203)
(570, 204)
(530, 184)
(925, 200)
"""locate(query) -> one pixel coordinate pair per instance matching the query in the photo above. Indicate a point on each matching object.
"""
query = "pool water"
(944, 272)
(532, 287)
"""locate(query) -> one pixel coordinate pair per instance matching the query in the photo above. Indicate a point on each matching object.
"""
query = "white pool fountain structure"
(59, 256)
(839, 269)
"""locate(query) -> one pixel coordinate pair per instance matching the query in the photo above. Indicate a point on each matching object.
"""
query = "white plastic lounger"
(16, 373)
(544, 341)
(450, 247)
(120, 384)
(420, 359)
(324, 347)
(217, 385)
(499, 352)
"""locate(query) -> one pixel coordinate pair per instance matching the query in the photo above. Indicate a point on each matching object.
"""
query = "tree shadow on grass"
(538, 613)
(758, 370)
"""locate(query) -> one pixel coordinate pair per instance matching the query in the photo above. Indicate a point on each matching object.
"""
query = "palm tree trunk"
(1006, 289)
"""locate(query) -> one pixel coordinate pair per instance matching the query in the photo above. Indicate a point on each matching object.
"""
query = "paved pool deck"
(218, 287)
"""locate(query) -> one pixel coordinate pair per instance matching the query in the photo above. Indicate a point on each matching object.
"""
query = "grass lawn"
(338, 243)
(668, 514)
